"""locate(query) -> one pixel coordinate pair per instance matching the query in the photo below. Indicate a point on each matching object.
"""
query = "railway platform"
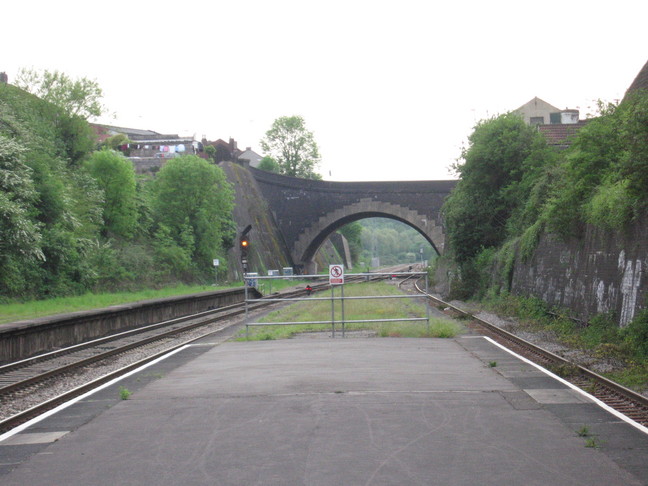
(354, 411)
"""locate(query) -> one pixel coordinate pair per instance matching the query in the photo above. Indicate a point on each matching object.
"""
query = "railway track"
(628, 402)
(25, 377)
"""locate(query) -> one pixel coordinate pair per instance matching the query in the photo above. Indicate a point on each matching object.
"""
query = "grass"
(124, 393)
(16, 311)
(601, 336)
(634, 376)
(315, 310)
(592, 442)
(584, 431)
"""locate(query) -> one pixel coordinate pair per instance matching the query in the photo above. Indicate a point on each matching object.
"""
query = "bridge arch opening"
(384, 241)
(315, 236)
(319, 240)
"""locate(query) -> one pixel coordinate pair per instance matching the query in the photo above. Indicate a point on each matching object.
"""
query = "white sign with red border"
(336, 274)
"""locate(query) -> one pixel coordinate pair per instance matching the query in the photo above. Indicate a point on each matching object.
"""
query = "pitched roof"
(641, 81)
(559, 135)
(537, 103)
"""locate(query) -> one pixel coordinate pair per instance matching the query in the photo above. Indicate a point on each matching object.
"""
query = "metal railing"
(342, 299)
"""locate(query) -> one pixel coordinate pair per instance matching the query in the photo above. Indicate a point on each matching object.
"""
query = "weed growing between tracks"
(317, 310)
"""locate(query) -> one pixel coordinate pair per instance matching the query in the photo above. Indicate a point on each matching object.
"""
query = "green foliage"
(71, 222)
(116, 141)
(115, 176)
(80, 97)
(269, 165)
(499, 167)
(513, 186)
(124, 393)
(603, 177)
(392, 241)
(293, 147)
(636, 334)
(210, 150)
(191, 205)
(47, 204)
(611, 206)
(353, 232)
(19, 234)
(530, 239)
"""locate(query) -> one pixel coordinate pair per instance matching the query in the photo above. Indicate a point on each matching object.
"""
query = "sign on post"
(336, 274)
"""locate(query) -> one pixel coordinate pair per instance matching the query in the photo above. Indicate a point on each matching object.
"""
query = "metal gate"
(339, 319)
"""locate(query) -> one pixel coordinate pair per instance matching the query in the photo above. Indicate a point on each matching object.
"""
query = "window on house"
(536, 120)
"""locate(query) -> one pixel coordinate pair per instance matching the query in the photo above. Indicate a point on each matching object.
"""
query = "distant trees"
(293, 147)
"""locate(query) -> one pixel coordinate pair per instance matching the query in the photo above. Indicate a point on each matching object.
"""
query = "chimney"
(569, 117)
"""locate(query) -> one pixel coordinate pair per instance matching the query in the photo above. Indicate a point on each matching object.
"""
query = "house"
(148, 149)
(225, 151)
(147, 143)
(537, 112)
(250, 157)
(558, 126)
(559, 135)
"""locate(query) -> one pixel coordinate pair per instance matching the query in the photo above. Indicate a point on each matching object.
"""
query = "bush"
(612, 205)
(636, 334)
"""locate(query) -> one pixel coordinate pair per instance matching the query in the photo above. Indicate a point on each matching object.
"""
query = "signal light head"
(245, 243)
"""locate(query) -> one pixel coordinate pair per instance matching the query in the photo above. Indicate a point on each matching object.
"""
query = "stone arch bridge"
(307, 212)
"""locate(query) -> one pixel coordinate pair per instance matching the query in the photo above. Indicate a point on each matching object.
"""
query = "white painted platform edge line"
(63, 406)
(617, 414)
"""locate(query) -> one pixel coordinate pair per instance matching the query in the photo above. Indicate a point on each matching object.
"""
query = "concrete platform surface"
(332, 412)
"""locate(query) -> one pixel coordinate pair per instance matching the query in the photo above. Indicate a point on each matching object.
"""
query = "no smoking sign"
(336, 274)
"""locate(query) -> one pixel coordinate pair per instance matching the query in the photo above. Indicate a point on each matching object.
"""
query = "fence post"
(247, 328)
(427, 303)
(342, 291)
(332, 310)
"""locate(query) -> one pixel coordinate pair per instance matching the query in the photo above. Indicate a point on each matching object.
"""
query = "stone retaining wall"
(603, 272)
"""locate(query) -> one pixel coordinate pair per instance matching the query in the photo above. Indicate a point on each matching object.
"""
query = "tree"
(192, 207)
(80, 97)
(20, 237)
(293, 147)
(353, 232)
(500, 166)
(115, 176)
(269, 165)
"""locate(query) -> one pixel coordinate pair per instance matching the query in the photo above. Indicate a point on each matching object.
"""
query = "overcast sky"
(391, 90)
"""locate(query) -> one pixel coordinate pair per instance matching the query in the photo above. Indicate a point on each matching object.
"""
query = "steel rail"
(577, 370)
(195, 320)
(204, 318)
